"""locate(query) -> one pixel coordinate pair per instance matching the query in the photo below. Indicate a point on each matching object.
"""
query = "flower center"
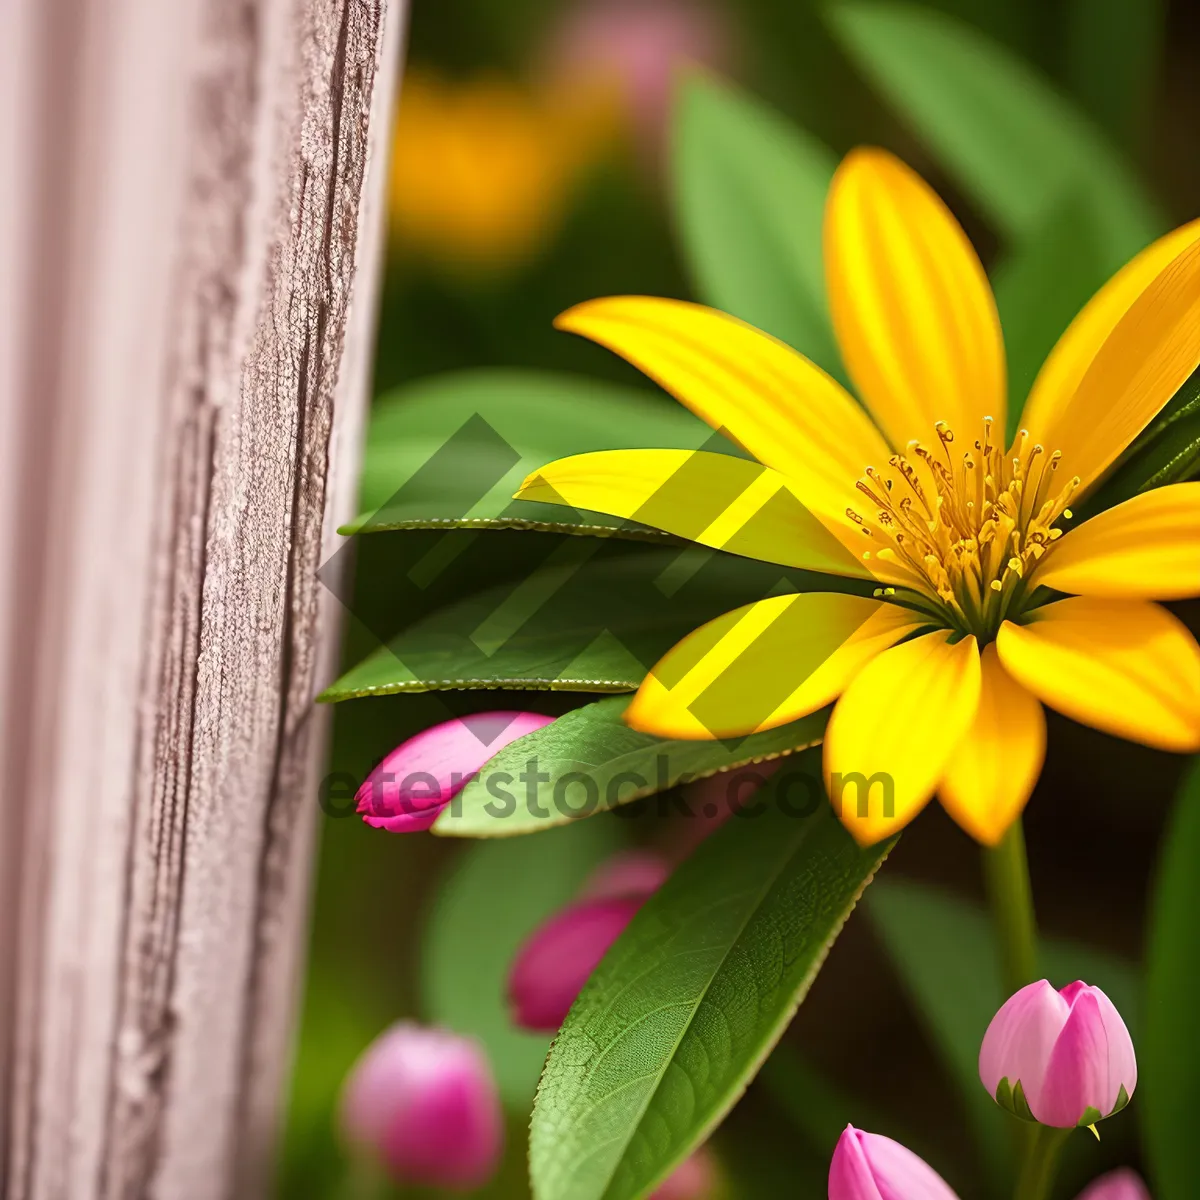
(963, 528)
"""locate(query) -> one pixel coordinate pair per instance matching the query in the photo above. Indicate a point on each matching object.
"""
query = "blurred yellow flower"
(482, 171)
(939, 680)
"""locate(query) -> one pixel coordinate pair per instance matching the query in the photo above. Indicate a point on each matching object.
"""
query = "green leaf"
(1169, 1054)
(496, 894)
(1008, 139)
(689, 1001)
(596, 618)
(590, 761)
(1168, 451)
(536, 662)
(451, 451)
(749, 193)
(1040, 286)
(563, 628)
(944, 951)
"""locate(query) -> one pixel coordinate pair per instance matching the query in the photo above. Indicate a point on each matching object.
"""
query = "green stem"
(1041, 1164)
(1006, 872)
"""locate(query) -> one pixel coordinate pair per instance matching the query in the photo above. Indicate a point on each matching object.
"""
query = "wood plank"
(192, 204)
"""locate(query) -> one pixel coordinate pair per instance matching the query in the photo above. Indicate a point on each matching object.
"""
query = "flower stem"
(1041, 1164)
(1006, 872)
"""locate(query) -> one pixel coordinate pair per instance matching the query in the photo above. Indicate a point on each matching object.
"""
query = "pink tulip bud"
(553, 965)
(1122, 1184)
(409, 789)
(556, 959)
(423, 1102)
(694, 1179)
(1063, 1058)
(869, 1167)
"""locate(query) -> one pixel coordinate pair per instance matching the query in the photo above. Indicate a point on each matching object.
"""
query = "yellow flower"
(482, 171)
(939, 679)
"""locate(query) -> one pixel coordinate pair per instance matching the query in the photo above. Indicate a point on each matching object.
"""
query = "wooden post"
(191, 199)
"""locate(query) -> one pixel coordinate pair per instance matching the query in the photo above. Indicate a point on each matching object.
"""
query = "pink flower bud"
(556, 959)
(1123, 1184)
(869, 1167)
(630, 873)
(1068, 1051)
(694, 1179)
(554, 963)
(409, 789)
(423, 1102)
(641, 46)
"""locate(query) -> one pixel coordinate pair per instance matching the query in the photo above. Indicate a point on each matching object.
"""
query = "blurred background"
(532, 169)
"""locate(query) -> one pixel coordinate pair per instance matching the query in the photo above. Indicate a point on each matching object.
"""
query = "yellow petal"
(894, 729)
(717, 500)
(1145, 549)
(993, 769)
(784, 410)
(1126, 667)
(764, 665)
(1063, 371)
(912, 308)
(1143, 362)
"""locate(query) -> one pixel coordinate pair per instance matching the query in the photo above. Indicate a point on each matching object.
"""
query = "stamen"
(969, 528)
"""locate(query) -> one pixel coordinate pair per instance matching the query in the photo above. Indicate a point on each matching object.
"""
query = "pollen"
(965, 525)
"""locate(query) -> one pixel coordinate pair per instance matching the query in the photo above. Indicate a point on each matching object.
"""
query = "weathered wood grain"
(191, 204)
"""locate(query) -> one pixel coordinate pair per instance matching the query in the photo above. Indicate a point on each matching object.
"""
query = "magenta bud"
(423, 1103)
(555, 961)
(1122, 1184)
(867, 1166)
(696, 1178)
(1063, 1058)
(410, 788)
(630, 873)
